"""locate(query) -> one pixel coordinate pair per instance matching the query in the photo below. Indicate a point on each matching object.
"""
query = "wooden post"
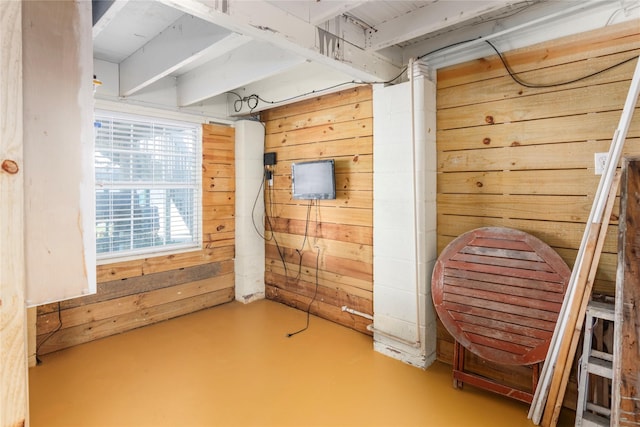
(626, 406)
(13, 314)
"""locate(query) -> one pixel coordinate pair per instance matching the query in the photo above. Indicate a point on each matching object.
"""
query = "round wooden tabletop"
(498, 292)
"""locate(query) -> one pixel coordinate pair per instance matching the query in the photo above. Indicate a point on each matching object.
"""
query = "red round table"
(498, 292)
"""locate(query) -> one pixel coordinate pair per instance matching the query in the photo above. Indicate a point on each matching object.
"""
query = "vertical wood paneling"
(14, 395)
(140, 292)
(335, 260)
(629, 269)
(522, 157)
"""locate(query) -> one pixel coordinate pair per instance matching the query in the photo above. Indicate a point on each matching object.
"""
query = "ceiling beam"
(316, 12)
(112, 11)
(263, 21)
(541, 22)
(432, 17)
(321, 11)
(186, 41)
(242, 66)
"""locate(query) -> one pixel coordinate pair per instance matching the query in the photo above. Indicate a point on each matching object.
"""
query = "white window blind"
(148, 186)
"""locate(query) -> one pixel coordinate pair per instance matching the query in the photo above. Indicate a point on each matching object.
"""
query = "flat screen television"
(313, 180)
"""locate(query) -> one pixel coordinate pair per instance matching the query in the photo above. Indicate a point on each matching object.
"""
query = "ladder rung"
(600, 367)
(602, 355)
(599, 409)
(601, 310)
(590, 419)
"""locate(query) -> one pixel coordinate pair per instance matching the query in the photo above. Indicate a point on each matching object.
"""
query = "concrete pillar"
(249, 261)
(404, 220)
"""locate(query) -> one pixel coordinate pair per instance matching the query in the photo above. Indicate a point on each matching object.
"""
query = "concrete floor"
(234, 366)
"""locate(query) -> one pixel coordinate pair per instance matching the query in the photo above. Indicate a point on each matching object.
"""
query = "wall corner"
(250, 252)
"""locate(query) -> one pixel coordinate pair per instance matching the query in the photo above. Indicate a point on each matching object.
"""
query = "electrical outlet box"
(600, 160)
(269, 159)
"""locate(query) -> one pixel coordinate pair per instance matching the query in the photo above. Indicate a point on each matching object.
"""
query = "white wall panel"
(58, 151)
(249, 262)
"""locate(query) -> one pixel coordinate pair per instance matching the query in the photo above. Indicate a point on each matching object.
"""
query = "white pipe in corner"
(413, 344)
(419, 341)
(356, 312)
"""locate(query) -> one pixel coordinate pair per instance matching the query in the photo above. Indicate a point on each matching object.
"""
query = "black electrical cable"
(306, 233)
(356, 82)
(237, 104)
(254, 98)
(446, 47)
(275, 240)
(315, 294)
(253, 210)
(518, 80)
(38, 361)
(258, 97)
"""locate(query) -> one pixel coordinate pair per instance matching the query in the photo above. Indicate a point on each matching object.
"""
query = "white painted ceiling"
(226, 50)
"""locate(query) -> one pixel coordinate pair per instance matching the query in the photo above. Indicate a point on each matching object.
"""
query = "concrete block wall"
(249, 259)
(404, 220)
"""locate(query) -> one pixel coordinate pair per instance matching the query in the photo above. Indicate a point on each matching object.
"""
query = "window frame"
(155, 251)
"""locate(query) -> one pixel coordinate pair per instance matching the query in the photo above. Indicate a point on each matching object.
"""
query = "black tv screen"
(313, 180)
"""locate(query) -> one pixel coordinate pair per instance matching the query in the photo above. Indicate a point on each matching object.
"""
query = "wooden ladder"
(594, 362)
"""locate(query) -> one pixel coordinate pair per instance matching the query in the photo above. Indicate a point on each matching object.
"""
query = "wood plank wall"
(336, 126)
(14, 378)
(136, 293)
(524, 157)
(629, 272)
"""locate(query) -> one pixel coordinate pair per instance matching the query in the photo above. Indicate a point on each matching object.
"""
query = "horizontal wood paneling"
(316, 106)
(597, 129)
(319, 308)
(593, 44)
(501, 87)
(140, 292)
(93, 330)
(524, 157)
(337, 254)
(142, 301)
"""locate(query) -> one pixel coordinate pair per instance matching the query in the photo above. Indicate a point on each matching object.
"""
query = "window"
(148, 186)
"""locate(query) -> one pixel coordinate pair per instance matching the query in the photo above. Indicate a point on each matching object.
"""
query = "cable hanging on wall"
(514, 76)
(252, 101)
